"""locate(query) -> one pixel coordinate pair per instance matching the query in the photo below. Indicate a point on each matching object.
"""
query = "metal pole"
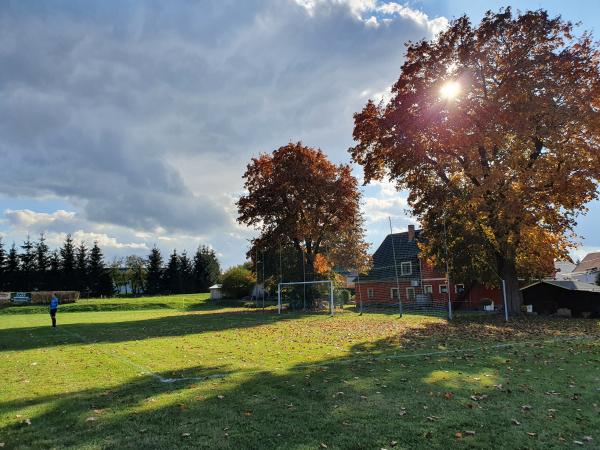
(447, 271)
(505, 305)
(263, 283)
(359, 293)
(256, 283)
(331, 297)
(279, 298)
(304, 280)
(395, 267)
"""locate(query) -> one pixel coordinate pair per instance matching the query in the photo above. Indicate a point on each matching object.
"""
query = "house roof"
(403, 250)
(570, 285)
(589, 263)
(564, 266)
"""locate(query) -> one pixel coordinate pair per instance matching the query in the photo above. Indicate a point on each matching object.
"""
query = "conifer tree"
(186, 273)
(67, 255)
(81, 268)
(12, 268)
(27, 258)
(154, 268)
(206, 269)
(2, 265)
(171, 279)
(54, 273)
(42, 262)
(101, 281)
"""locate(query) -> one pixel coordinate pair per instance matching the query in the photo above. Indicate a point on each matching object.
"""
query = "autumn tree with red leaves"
(495, 131)
(296, 197)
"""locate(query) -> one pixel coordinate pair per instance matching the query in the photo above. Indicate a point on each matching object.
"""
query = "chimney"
(411, 233)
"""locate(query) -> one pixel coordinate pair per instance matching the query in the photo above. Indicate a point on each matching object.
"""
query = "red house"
(398, 272)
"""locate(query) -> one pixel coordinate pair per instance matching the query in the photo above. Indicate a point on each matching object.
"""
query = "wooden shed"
(547, 296)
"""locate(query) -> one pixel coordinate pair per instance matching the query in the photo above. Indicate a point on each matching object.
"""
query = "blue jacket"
(54, 303)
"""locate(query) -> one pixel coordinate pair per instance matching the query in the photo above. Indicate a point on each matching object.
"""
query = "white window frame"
(408, 296)
(428, 289)
(443, 286)
(456, 287)
(403, 265)
(370, 294)
(392, 293)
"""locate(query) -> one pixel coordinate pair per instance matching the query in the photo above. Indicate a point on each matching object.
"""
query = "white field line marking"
(142, 369)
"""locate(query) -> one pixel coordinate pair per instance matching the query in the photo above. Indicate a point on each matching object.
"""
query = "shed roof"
(571, 285)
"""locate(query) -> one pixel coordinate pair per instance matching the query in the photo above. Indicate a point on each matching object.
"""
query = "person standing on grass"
(53, 307)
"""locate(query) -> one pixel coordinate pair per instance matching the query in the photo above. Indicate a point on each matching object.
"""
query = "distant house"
(587, 270)
(399, 272)
(563, 269)
(547, 296)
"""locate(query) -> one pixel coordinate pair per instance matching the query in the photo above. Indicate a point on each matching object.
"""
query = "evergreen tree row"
(182, 274)
(35, 268)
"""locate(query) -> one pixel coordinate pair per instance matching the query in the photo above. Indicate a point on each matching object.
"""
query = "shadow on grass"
(340, 403)
(125, 305)
(102, 332)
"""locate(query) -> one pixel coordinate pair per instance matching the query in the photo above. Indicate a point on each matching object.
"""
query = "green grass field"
(183, 372)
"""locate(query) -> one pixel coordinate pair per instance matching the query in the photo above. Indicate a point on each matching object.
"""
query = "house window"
(410, 293)
(394, 293)
(370, 293)
(406, 268)
(459, 288)
(428, 289)
(443, 289)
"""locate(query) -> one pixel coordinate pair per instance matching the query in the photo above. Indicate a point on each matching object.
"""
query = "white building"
(215, 292)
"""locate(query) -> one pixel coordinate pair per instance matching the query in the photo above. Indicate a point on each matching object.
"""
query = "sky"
(130, 123)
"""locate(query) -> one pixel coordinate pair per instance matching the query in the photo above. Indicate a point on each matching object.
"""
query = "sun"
(450, 90)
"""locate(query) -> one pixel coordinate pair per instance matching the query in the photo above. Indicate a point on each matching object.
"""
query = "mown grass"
(249, 379)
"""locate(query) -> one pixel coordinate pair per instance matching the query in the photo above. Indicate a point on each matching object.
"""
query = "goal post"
(327, 284)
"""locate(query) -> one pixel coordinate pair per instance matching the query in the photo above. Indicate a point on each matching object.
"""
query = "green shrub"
(237, 282)
(344, 296)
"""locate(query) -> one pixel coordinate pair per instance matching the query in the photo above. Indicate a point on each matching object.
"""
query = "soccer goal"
(316, 296)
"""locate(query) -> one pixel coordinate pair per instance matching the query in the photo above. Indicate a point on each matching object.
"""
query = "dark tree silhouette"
(154, 269)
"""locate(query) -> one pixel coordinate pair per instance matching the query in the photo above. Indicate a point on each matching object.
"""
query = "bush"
(237, 282)
(344, 296)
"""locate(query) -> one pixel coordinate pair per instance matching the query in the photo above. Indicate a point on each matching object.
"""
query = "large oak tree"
(494, 130)
(297, 198)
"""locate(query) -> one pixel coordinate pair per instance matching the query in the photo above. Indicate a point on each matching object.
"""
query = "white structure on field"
(216, 292)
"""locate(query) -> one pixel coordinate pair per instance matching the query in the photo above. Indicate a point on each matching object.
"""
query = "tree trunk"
(514, 298)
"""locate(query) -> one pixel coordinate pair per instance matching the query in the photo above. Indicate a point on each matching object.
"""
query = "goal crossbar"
(291, 283)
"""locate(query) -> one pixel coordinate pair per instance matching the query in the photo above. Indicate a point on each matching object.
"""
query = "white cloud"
(26, 219)
(143, 119)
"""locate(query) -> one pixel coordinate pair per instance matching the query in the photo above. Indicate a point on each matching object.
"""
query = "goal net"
(310, 296)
